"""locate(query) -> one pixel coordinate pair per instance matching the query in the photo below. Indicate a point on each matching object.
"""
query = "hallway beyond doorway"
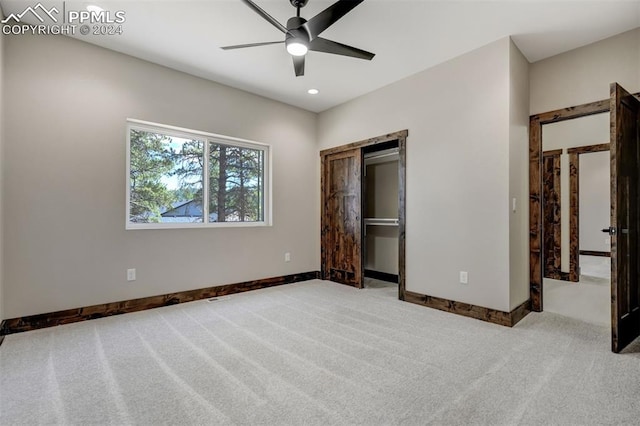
(589, 299)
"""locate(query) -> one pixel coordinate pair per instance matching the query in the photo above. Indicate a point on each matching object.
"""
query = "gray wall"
(583, 75)
(1, 170)
(458, 169)
(64, 180)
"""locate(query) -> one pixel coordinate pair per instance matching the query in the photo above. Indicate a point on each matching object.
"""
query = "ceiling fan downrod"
(298, 4)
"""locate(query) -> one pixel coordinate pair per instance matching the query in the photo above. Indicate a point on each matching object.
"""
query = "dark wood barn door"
(342, 217)
(625, 217)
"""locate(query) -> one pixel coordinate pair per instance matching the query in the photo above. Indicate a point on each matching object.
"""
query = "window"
(166, 184)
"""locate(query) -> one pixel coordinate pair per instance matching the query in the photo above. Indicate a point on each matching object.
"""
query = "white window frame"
(207, 138)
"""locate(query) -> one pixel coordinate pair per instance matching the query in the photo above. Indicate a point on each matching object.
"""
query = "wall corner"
(1, 171)
(518, 177)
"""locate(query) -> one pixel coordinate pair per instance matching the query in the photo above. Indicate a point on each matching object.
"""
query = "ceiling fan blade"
(327, 46)
(242, 46)
(265, 15)
(329, 16)
(298, 65)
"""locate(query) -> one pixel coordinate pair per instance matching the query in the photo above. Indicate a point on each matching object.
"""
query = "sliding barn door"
(342, 217)
(625, 218)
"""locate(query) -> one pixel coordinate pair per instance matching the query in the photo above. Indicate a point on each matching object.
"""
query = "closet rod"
(387, 154)
(381, 221)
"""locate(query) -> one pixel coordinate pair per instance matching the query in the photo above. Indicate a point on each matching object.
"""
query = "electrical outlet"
(131, 274)
(287, 257)
(464, 277)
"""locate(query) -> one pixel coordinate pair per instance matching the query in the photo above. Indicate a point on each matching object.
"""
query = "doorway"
(624, 221)
(351, 248)
(576, 200)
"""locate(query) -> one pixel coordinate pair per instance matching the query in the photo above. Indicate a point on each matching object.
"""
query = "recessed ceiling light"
(94, 8)
(313, 91)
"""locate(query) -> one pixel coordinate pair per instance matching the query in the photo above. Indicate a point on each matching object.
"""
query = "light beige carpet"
(317, 353)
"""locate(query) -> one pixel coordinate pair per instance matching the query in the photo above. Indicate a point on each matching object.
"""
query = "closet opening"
(363, 213)
(380, 208)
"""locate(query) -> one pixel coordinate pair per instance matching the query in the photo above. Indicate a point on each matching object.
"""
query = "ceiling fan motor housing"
(297, 31)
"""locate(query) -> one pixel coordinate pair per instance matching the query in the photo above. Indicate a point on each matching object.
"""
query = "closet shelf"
(375, 221)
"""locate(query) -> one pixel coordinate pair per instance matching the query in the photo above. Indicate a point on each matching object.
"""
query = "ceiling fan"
(302, 35)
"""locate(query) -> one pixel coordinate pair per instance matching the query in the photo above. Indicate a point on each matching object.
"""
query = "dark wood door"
(551, 214)
(342, 217)
(625, 218)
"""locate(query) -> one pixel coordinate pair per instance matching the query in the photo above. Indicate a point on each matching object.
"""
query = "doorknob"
(610, 230)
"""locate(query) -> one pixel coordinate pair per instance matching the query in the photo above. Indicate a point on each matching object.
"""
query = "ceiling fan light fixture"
(296, 48)
(313, 91)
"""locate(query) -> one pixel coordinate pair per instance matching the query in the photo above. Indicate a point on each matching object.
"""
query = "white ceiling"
(406, 36)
